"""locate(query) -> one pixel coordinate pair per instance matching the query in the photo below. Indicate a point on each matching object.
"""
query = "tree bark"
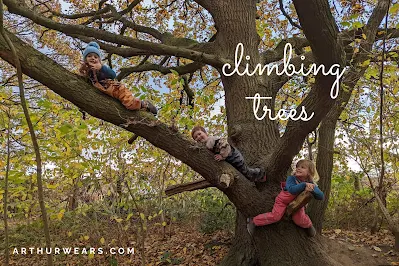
(282, 243)
(324, 164)
(324, 161)
(195, 185)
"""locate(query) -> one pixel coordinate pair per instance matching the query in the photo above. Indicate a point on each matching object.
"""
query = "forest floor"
(185, 245)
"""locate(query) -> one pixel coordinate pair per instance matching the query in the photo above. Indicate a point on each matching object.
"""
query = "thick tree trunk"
(324, 164)
(282, 243)
(242, 250)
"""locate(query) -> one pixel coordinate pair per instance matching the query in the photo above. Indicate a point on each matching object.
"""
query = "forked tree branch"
(153, 48)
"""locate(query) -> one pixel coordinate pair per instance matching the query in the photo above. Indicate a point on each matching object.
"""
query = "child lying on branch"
(224, 151)
(102, 77)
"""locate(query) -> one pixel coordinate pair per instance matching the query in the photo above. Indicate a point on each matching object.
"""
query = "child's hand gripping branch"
(309, 187)
(303, 179)
(102, 77)
(224, 151)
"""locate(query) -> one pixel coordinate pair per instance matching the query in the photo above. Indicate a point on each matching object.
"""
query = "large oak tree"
(263, 143)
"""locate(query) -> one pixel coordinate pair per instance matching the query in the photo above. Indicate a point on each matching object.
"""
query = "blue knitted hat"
(92, 47)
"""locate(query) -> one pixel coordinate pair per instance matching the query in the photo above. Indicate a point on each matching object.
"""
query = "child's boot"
(311, 231)
(256, 175)
(261, 177)
(148, 106)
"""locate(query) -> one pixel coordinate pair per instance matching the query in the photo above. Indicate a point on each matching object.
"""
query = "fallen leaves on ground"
(380, 244)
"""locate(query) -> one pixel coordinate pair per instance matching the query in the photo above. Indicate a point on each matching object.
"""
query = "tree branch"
(124, 52)
(192, 186)
(287, 16)
(153, 48)
(130, 24)
(80, 15)
(322, 32)
(130, 7)
(76, 90)
(297, 43)
(189, 68)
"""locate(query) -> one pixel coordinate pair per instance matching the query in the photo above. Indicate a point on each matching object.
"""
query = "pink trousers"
(300, 218)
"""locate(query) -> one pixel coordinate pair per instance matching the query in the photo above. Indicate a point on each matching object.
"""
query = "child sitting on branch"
(224, 151)
(102, 77)
(303, 180)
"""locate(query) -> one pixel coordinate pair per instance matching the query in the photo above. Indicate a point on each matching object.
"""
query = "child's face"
(302, 171)
(200, 136)
(92, 58)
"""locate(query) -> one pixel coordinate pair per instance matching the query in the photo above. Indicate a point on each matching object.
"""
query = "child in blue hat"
(102, 77)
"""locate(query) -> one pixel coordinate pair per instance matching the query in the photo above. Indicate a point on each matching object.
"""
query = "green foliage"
(218, 212)
(112, 261)
(351, 202)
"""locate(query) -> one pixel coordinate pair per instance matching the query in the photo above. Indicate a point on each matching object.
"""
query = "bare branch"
(192, 186)
(287, 16)
(190, 93)
(189, 68)
(81, 15)
(119, 16)
(130, 7)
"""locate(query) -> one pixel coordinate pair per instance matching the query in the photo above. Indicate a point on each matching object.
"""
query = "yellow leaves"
(69, 234)
(117, 219)
(102, 240)
(365, 63)
(129, 216)
(60, 214)
(307, 49)
(52, 186)
(395, 90)
(394, 9)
